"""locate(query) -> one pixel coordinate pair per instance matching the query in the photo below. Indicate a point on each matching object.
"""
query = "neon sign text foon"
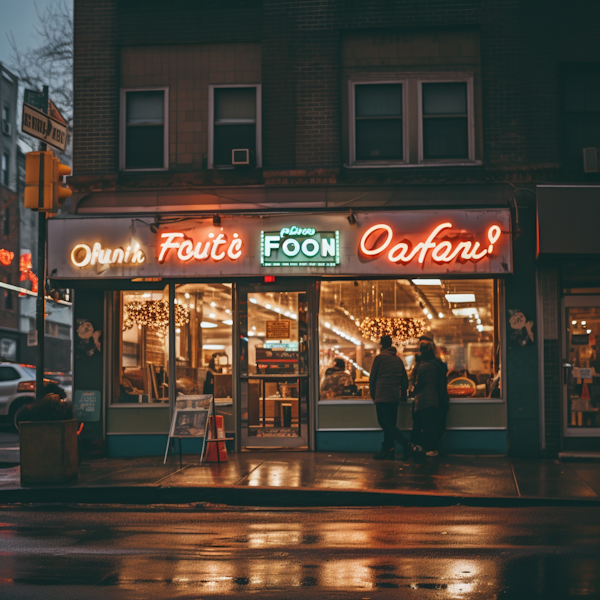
(442, 251)
(216, 248)
(84, 256)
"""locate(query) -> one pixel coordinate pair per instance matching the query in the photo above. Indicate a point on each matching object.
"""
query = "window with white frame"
(411, 119)
(144, 131)
(235, 126)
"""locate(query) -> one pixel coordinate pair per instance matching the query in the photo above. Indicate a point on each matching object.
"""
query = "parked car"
(17, 388)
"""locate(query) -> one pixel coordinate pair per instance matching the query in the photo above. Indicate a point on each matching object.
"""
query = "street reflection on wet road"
(452, 552)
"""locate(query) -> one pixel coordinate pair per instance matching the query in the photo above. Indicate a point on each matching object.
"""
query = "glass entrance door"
(581, 366)
(274, 366)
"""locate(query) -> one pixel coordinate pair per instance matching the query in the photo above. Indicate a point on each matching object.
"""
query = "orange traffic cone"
(214, 447)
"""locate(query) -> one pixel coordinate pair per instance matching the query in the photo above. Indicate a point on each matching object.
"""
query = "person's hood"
(391, 350)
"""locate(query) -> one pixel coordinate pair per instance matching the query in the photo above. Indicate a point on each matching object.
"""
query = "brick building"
(381, 161)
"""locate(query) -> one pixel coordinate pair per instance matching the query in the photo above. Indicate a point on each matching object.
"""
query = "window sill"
(144, 170)
(140, 405)
(470, 163)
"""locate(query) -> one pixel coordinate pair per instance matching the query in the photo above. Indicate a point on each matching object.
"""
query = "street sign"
(43, 127)
(35, 99)
(32, 337)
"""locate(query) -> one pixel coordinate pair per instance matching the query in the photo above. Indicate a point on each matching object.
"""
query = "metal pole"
(41, 297)
(172, 364)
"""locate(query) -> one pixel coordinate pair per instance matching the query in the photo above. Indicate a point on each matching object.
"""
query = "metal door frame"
(573, 301)
(308, 286)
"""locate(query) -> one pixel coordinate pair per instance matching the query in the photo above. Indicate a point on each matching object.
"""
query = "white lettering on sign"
(84, 256)
(215, 248)
(291, 247)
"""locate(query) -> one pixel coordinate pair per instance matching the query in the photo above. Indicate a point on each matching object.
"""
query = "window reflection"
(462, 316)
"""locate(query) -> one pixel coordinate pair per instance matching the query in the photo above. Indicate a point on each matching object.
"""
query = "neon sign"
(84, 256)
(378, 239)
(26, 269)
(215, 248)
(300, 247)
(6, 257)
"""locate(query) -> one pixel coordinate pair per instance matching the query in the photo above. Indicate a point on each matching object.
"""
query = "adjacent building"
(262, 189)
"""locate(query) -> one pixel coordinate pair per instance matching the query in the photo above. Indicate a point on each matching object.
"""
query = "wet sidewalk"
(319, 479)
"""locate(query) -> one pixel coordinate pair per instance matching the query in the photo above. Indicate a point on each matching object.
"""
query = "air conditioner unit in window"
(590, 160)
(5, 127)
(240, 156)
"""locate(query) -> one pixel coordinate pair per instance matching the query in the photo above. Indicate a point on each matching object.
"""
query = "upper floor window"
(416, 119)
(234, 126)
(5, 124)
(581, 112)
(6, 224)
(144, 129)
(5, 168)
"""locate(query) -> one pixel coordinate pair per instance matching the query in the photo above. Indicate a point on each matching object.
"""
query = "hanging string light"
(154, 314)
(400, 329)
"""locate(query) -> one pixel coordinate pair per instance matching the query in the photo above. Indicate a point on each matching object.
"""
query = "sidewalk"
(286, 479)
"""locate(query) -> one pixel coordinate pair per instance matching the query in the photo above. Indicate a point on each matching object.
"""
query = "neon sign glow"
(84, 256)
(216, 248)
(442, 251)
(6, 257)
(300, 247)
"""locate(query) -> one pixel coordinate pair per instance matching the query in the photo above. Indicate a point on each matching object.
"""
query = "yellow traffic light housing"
(43, 181)
(39, 171)
(59, 192)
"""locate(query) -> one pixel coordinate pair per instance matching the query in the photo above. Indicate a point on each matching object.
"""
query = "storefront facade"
(257, 309)
(569, 284)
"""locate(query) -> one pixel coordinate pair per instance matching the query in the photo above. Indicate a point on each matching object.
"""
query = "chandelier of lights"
(154, 314)
(401, 329)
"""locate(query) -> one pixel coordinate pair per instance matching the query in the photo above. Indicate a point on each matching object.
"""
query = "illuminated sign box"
(299, 247)
(403, 243)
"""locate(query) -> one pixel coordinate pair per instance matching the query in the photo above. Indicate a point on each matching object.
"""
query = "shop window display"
(462, 316)
(203, 347)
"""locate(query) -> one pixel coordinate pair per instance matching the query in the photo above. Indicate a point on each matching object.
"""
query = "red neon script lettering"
(215, 248)
(372, 244)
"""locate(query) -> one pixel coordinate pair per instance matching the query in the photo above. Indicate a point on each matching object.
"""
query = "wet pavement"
(317, 479)
(384, 553)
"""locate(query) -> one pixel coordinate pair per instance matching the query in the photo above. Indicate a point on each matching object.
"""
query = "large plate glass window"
(462, 316)
(144, 348)
(378, 121)
(203, 342)
(143, 115)
(234, 125)
(445, 120)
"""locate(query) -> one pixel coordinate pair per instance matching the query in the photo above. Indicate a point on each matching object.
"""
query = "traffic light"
(48, 175)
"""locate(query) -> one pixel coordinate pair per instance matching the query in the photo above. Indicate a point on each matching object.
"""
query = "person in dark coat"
(431, 400)
(388, 384)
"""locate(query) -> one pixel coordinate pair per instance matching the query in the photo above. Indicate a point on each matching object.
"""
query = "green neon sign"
(299, 247)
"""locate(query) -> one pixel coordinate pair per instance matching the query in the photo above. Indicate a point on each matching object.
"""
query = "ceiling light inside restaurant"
(207, 325)
(227, 322)
(213, 346)
(457, 298)
(427, 281)
(465, 312)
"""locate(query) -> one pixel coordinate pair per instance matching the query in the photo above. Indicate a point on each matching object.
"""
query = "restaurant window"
(203, 340)
(144, 347)
(203, 343)
(234, 125)
(462, 316)
(144, 129)
(411, 120)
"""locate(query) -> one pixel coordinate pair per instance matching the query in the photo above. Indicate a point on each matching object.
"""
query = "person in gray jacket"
(388, 384)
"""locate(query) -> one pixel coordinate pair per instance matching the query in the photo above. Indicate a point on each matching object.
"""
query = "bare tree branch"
(50, 61)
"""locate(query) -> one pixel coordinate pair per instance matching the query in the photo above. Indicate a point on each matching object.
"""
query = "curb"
(268, 497)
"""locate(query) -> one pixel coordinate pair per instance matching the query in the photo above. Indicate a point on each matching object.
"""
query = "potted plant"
(48, 434)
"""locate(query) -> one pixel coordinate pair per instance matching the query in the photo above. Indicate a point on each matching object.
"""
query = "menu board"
(278, 330)
(87, 405)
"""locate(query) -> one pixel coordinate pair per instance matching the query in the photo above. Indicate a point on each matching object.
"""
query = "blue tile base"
(454, 442)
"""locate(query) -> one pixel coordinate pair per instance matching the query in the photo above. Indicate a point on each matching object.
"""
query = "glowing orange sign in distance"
(442, 251)
(6, 257)
(215, 248)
